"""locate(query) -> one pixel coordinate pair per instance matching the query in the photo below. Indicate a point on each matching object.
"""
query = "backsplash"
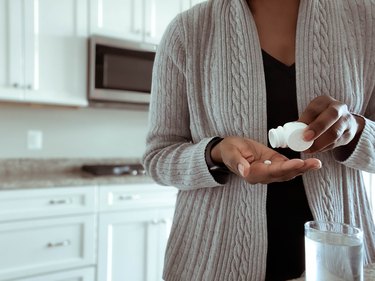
(73, 132)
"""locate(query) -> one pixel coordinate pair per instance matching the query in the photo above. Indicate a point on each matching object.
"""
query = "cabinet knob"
(29, 87)
(60, 201)
(64, 243)
(16, 85)
(162, 221)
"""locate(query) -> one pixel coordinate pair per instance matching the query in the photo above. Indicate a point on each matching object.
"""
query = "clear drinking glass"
(334, 252)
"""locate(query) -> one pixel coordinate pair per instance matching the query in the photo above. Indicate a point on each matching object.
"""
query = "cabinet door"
(37, 246)
(56, 51)
(25, 204)
(117, 18)
(11, 50)
(158, 14)
(186, 4)
(163, 227)
(84, 274)
(130, 246)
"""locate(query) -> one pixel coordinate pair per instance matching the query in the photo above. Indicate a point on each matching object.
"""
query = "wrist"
(214, 164)
(215, 152)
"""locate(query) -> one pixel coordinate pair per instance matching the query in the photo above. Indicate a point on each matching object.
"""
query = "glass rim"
(353, 231)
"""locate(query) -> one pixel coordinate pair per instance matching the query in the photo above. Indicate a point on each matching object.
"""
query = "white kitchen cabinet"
(133, 232)
(51, 232)
(117, 18)
(46, 51)
(11, 54)
(136, 20)
(85, 274)
(186, 4)
(85, 233)
(46, 202)
(158, 14)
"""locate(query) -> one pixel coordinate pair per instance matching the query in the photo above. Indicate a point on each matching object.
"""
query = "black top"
(287, 206)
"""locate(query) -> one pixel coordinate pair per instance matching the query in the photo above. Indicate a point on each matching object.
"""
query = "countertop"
(46, 173)
(369, 274)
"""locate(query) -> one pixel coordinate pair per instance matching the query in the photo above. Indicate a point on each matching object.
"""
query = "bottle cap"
(296, 141)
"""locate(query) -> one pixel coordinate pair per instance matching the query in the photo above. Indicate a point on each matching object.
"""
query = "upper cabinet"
(117, 18)
(190, 3)
(44, 45)
(10, 58)
(158, 14)
(139, 20)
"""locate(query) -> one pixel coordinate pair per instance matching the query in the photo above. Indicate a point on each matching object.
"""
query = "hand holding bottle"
(330, 124)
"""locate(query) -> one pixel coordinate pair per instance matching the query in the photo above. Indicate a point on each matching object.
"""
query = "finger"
(334, 135)
(320, 148)
(295, 167)
(280, 169)
(313, 163)
(309, 164)
(315, 107)
(326, 120)
(235, 162)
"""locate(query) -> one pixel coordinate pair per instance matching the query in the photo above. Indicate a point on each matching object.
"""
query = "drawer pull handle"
(162, 221)
(60, 201)
(64, 243)
(129, 197)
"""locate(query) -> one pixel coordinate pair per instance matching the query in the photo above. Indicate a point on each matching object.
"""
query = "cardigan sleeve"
(363, 156)
(171, 157)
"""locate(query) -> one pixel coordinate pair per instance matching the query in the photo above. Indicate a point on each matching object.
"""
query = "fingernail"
(318, 165)
(309, 135)
(241, 169)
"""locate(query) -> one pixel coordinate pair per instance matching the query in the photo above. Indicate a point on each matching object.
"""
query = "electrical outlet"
(34, 140)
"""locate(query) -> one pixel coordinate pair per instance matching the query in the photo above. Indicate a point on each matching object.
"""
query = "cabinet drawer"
(40, 203)
(84, 274)
(135, 196)
(38, 246)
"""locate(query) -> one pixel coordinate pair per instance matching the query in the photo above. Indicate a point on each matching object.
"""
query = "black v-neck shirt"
(287, 206)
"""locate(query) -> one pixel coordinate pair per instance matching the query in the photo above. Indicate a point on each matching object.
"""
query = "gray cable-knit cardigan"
(209, 81)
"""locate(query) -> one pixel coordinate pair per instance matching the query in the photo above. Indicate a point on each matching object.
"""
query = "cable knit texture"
(208, 82)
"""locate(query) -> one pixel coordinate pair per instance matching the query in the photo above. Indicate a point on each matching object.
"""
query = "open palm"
(247, 157)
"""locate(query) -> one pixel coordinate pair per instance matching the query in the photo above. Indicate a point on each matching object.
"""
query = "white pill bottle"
(290, 135)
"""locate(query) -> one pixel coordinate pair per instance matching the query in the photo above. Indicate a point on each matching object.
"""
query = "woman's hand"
(330, 124)
(245, 157)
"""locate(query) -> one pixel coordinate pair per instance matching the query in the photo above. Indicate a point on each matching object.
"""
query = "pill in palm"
(267, 162)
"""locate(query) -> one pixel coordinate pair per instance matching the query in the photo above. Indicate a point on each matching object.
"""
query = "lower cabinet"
(46, 233)
(84, 274)
(132, 244)
(46, 245)
(105, 233)
(134, 226)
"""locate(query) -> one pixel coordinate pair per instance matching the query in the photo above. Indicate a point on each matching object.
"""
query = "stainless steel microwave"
(120, 71)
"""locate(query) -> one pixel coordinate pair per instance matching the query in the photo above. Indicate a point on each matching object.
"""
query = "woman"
(222, 74)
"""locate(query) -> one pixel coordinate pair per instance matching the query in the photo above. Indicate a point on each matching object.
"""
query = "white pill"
(267, 162)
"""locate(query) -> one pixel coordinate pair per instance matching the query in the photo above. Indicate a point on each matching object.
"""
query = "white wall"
(73, 132)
